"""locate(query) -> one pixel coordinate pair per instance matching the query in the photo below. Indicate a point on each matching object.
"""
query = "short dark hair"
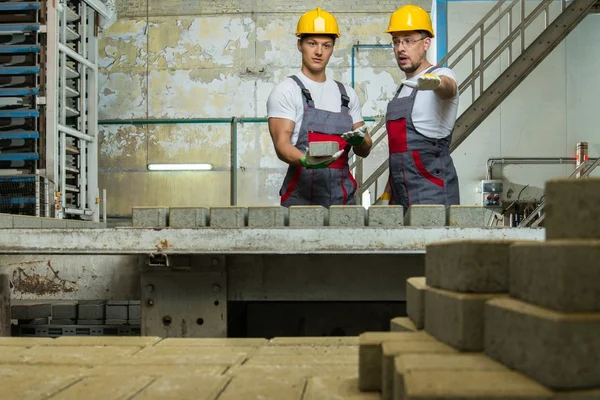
(302, 37)
(424, 34)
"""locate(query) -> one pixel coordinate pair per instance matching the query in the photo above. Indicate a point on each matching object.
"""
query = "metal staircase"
(48, 107)
(522, 59)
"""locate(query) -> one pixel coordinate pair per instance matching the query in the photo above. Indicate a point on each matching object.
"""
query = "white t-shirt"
(432, 116)
(286, 100)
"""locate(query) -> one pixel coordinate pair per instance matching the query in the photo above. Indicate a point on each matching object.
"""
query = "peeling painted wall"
(176, 59)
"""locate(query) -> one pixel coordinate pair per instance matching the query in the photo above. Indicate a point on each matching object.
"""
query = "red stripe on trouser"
(396, 130)
(419, 164)
(344, 189)
(292, 185)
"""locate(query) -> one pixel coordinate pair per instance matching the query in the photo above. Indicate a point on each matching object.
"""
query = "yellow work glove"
(312, 162)
(424, 82)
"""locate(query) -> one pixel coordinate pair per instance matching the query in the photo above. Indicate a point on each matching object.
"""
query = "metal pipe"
(77, 57)
(233, 190)
(75, 133)
(526, 160)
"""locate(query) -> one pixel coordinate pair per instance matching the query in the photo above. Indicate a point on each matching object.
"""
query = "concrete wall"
(185, 59)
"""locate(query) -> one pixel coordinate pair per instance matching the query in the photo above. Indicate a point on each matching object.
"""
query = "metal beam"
(327, 240)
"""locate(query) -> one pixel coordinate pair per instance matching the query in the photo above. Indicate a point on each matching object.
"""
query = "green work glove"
(355, 137)
(312, 162)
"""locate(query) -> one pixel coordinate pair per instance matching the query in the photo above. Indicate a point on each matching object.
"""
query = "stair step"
(22, 48)
(34, 69)
(19, 134)
(71, 150)
(71, 188)
(19, 113)
(19, 5)
(19, 156)
(71, 112)
(71, 34)
(71, 92)
(20, 27)
(19, 92)
(72, 169)
(71, 73)
(72, 16)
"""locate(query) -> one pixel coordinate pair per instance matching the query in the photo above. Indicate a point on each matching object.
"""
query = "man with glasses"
(420, 118)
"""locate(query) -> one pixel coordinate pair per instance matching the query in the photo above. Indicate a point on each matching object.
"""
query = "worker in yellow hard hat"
(310, 107)
(420, 117)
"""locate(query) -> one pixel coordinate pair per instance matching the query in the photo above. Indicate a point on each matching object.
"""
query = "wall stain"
(38, 284)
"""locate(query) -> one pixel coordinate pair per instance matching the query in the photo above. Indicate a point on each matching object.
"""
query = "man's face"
(409, 49)
(316, 51)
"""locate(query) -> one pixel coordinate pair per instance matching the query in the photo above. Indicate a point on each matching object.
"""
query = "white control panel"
(491, 193)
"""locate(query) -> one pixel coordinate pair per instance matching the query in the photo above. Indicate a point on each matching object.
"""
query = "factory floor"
(150, 367)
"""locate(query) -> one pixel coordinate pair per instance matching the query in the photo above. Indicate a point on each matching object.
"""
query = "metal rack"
(48, 107)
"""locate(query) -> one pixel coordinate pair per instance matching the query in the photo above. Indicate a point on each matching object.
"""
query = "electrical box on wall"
(491, 193)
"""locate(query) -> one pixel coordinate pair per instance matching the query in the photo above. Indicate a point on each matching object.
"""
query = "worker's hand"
(355, 137)
(425, 82)
(312, 162)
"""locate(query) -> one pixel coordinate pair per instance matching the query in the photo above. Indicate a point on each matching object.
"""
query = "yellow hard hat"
(410, 18)
(317, 22)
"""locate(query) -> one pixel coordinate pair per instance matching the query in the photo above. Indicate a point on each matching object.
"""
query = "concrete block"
(82, 356)
(188, 217)
(91, 311)
(24, 221)
(560, 275)
(90, 322)
(370, 355)
(430, 385)
(6, 221)
(134, 311)
(439, 362)
(402, 324)
(113, 387)
(415, 300)
(80, 224)
(572, 209)
(386, 216)
(559, 350)
(307, 350)
(456, 319)
(133, 321)
(425, 215)
(30, 311)
(64, 311)
(150, 217)
(117, 302)
(115, 321)
(303, 359)
(321, 149)
(267, 217)
(200, 355)
(390, 350)
(228, 217)
(25, 341)
(217, 342)
(478, 266)
(335, 387)
(53, 223)
(61, 321)
(315, 341)
(347, 216)
(140, 341)
(468, 216)
(308, 216)
(264, 387)
(36, 321)
(117, 312)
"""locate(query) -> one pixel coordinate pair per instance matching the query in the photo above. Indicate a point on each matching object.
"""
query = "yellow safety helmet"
(410, 18)
(317, 22)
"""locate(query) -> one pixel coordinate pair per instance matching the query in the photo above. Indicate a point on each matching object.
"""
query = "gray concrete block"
(64, 311)
(6, 221)
(24, 221)
(478, 266)
(572, 209)
(188, 217)
(469, 384)
(150, 217)
(320, 149)
(90, 322)
(59, 321)
(115, 321)
(36, 321)
(53, 223)
(308, 216)
(425, 215)
(391, 350)
(465, 216)
(456, 319)
(370, 355)
(134, 311)
(347, 216)
(90, 311)
(80, 224)
(439, 362)
(228, 217)
(133, 321)
(387, 216)
(267, 217)
(559, 350)
(415, 300)
(30, 311)
(559, 275)
(402, 324)
(117, 312)
(117, 302)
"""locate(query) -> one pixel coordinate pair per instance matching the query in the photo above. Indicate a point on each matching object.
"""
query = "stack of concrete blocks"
(500, 319)
(30, 222)
(308, 216)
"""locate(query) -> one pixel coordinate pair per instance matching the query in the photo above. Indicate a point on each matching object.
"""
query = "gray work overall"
(421, 169)
(327, 186)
